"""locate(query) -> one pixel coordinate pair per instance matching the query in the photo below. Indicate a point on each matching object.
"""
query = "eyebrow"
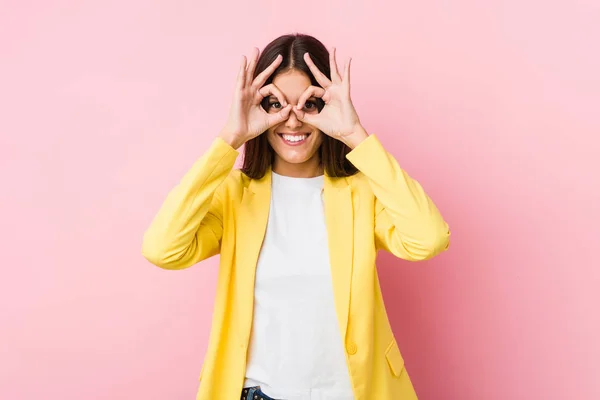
(275, 99)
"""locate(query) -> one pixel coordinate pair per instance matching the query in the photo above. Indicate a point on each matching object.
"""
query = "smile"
(294, 140)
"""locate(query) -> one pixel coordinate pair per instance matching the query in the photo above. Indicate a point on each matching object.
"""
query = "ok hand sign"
(247, 119)
(338, 118)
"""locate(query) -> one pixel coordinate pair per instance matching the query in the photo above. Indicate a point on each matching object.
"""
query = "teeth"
(294, 138)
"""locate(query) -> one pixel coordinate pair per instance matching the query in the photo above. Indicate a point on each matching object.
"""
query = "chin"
(295, 159)
(295, 156)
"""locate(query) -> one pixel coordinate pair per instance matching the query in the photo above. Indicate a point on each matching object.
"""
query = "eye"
(310, 105)
(274, 104)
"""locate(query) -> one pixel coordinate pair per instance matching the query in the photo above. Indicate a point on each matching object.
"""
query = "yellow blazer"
(218, 210)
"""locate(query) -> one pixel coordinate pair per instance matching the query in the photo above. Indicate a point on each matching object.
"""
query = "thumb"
(281, 116)
(307, 118)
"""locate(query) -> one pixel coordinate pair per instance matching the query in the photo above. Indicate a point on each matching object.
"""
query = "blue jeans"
(254, 393)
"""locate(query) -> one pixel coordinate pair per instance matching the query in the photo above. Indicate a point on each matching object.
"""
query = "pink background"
(493, 106)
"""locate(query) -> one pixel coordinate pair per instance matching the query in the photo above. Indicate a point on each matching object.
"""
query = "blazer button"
(351, 348)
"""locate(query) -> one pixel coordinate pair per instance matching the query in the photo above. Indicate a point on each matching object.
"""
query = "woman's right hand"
(247, 119)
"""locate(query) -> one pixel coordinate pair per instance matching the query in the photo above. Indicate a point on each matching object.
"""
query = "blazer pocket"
(394, 358)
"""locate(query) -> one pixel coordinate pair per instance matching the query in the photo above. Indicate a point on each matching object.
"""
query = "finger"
(347, 71)
(346, 79)
(311, 119)
(241, 78)
(263, 76)
(319, 76)
(308, 93)
(252, 67)
(335, 74)
(269, 90)
(281, 116)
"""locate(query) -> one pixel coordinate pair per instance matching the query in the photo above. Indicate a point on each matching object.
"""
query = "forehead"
(292, 84)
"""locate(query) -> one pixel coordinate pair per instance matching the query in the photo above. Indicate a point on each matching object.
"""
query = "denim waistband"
(254, 393)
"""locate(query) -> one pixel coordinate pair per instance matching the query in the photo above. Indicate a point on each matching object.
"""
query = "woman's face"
(296, 144)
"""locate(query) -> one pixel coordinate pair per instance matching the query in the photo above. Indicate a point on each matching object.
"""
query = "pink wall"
(494, 107)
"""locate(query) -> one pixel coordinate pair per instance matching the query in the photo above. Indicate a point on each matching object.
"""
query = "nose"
(293, 122)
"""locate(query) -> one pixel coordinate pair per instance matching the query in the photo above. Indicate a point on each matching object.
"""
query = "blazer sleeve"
(189, 225)
(407, 222)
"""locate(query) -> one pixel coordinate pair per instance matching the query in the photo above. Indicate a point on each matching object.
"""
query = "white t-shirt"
(296, 350)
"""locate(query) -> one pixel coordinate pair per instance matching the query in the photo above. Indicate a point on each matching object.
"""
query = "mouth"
(295, 139)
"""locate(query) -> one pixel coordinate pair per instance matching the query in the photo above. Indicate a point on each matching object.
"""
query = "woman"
(298, 311)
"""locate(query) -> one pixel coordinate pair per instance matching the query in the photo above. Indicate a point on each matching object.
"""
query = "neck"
(308, 169)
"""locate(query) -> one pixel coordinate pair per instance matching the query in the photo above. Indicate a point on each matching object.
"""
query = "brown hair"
(258, 153)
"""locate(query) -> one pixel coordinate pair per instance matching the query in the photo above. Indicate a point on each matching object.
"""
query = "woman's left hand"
(338, 118)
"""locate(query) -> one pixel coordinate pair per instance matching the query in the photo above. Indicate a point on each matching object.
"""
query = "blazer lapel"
(340, 234)
(252, 224)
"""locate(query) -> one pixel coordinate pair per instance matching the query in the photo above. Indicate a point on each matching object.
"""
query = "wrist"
(356, 137)
(231, 139)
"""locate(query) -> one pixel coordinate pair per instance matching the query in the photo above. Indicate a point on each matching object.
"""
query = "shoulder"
(358, 181)
(237, 177)
(235, 183)
(361, 188)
